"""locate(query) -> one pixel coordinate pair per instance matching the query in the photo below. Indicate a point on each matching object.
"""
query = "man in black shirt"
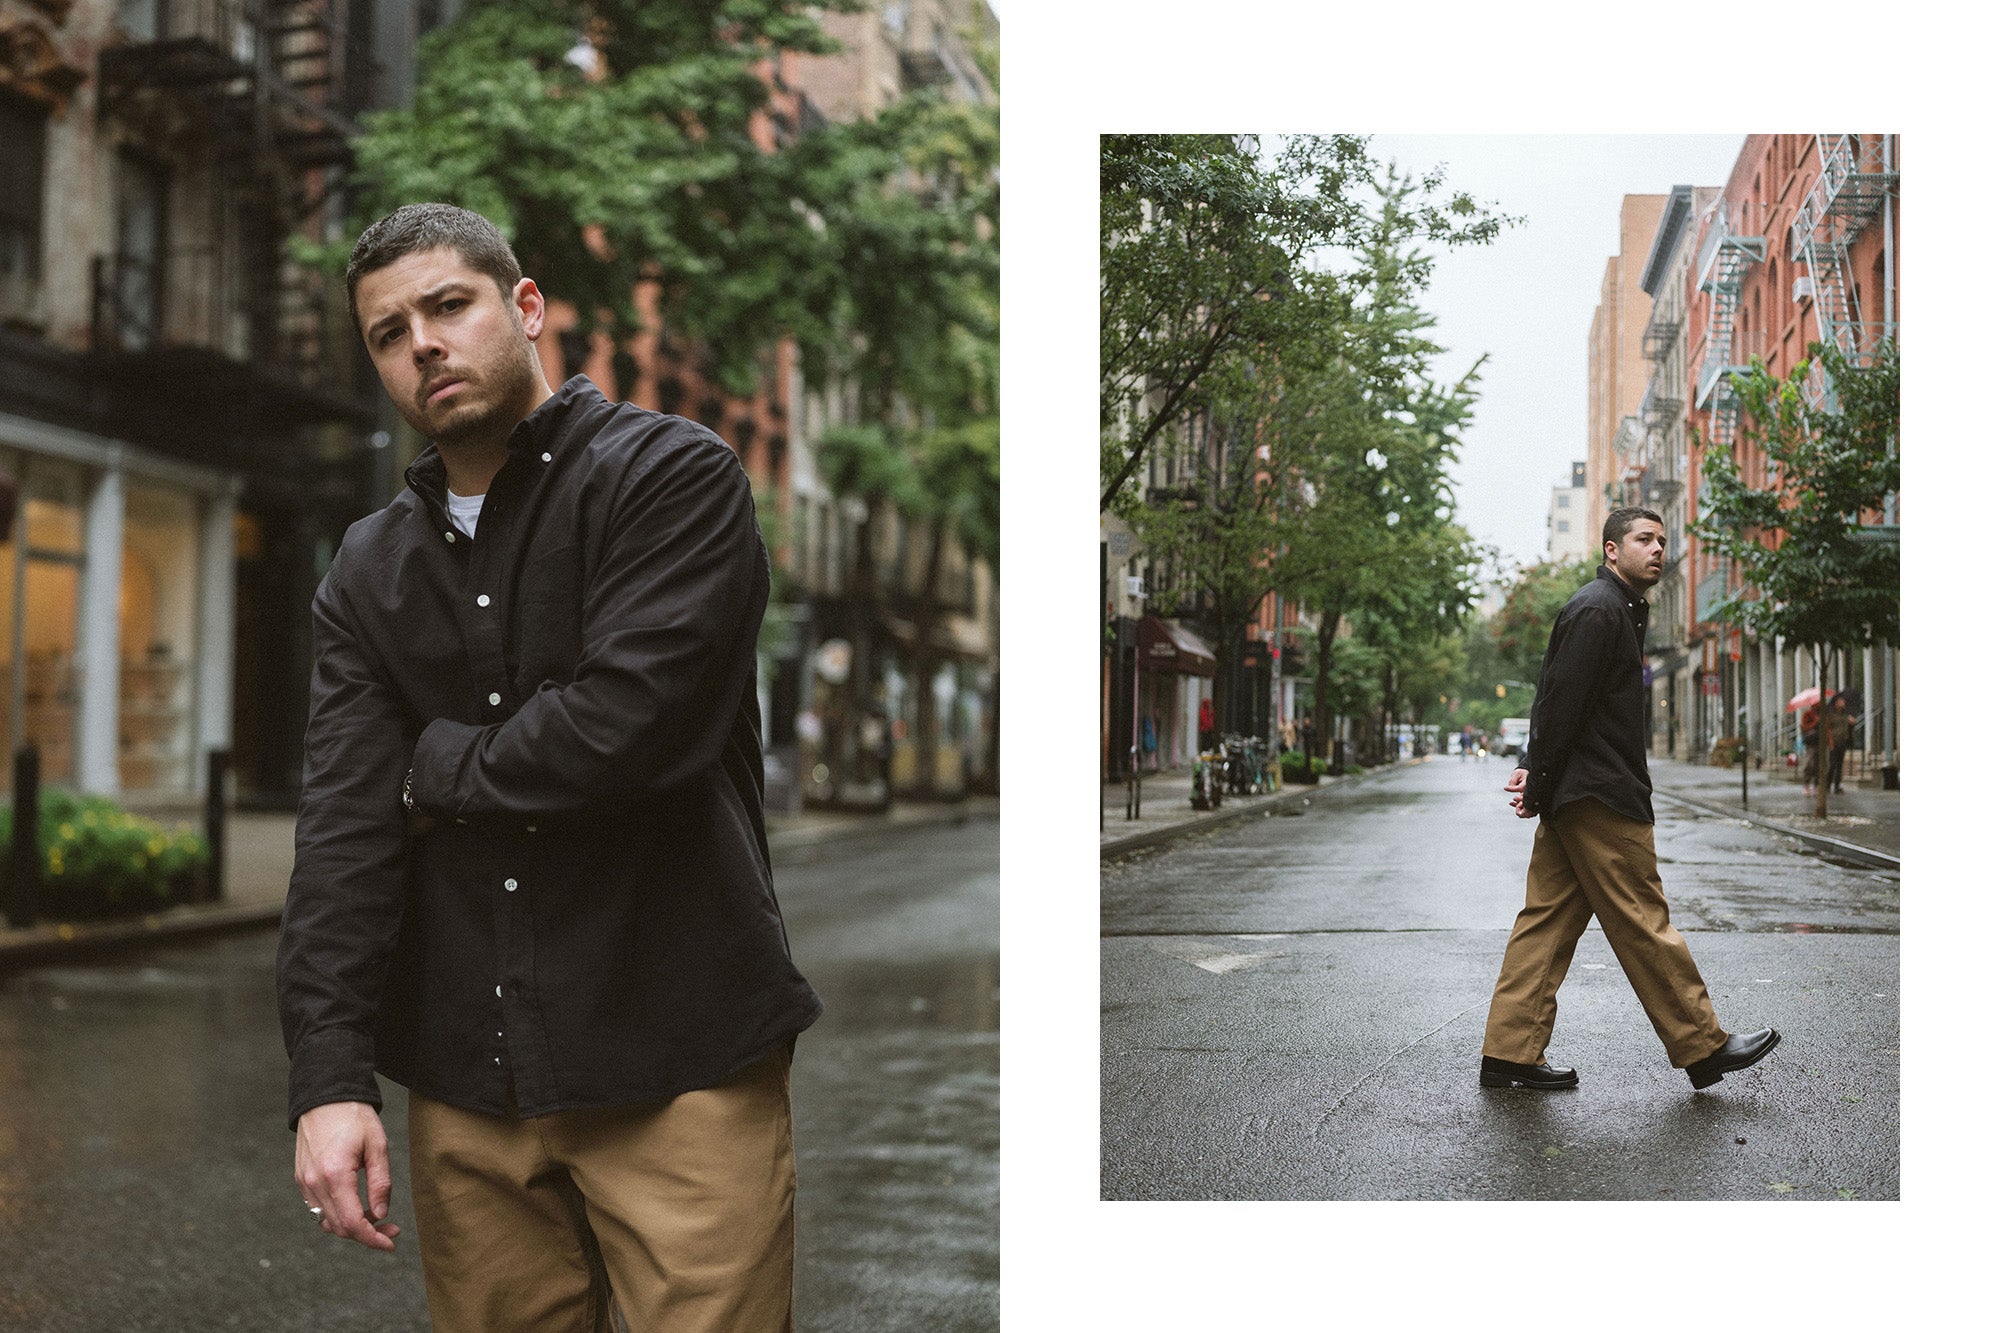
(1584, 773)
(531, 881)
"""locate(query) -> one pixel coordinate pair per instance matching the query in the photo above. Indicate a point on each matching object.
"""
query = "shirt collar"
(541, 430)
(1634, 599)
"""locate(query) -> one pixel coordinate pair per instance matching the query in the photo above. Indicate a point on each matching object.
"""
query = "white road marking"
(1208, 957)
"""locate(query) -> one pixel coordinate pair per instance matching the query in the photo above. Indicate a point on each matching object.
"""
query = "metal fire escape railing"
(1663, 330)
(1853, 187)
(279, 84)
(1725, 258)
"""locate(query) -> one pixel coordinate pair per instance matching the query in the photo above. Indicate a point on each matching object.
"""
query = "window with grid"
(23, 137)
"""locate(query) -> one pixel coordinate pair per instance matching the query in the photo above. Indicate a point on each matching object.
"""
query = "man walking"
(1584, 773)
(532, 883)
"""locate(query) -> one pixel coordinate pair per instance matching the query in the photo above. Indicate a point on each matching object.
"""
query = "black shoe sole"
(1510, 1081)
(1704, 1075)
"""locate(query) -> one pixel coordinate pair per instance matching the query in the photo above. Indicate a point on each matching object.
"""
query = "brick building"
(888, 725)
(1618, 367)
(179, 401)
(1799, 246)
(1661, 483)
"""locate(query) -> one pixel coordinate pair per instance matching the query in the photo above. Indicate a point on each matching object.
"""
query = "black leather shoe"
(1739, 1052)
(1506, 1074)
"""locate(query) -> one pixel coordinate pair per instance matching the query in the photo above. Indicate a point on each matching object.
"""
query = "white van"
(1513, 734)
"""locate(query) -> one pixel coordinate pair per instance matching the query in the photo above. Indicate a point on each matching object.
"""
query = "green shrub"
(100, 860)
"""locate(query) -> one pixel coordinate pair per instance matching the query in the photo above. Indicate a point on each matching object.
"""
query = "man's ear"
(529, 305)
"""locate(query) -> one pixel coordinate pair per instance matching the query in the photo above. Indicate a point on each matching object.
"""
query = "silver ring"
(314, 1211)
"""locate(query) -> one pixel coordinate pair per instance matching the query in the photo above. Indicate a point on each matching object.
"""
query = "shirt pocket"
(548, 630)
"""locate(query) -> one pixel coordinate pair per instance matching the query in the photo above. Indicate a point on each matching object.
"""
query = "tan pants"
(1590, 860)
(683, 1208)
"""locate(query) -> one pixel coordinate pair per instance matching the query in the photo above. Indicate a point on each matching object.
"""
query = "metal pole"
(24, 862)
(1132, 811)
(218, 772)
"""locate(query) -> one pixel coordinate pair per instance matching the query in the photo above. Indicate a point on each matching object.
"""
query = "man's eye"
(389, 337)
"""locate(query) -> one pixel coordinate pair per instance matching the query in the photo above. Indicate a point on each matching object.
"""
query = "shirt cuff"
(332, 1065)
(441, 751)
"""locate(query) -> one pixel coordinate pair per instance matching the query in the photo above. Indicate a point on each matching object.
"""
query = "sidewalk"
(1165, 812)
(1858, 819)
(258, 869)
(1862, 817)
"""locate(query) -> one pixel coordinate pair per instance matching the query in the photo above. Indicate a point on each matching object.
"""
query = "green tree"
(651, 173)
(1210, 251)
(1521, 628)
(1812, 570)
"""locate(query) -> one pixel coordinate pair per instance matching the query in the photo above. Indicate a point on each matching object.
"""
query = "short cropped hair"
(1619, 521)
(415, 228)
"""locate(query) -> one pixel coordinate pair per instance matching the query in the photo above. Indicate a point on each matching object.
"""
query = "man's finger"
(375, 1150)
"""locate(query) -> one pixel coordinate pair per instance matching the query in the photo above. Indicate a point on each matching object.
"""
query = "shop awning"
(1168, 647)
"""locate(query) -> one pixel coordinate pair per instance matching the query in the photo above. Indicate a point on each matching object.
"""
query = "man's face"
(1640, 556)
(455, 355)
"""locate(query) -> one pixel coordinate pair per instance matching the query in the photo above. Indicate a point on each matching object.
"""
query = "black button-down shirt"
(1587, 733)
(592, 921)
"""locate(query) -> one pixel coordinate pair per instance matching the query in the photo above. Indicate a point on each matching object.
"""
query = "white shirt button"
(484, 600)
(548, 457)
(513, 885)
(496, 1059)
(451, 536)
(493, 698)
(531, 828)
(496, 990)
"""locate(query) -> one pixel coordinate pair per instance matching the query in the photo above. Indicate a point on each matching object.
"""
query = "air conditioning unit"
(1802, 287)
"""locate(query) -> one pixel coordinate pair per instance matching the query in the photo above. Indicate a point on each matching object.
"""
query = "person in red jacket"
(1206, 725)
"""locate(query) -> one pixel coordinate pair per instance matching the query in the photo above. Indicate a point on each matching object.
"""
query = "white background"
(1073, 70)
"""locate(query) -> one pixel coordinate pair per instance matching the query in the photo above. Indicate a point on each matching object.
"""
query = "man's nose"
(424, 345)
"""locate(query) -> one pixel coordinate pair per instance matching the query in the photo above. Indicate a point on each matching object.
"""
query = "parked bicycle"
(1206, 793)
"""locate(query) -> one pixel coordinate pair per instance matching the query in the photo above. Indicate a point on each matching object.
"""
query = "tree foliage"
(1521, 627)
(1813, 570)
(1210, 251)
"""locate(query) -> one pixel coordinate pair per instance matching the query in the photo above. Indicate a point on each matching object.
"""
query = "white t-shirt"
(465, 511)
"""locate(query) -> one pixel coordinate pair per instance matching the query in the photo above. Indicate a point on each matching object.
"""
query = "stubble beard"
(465, 424)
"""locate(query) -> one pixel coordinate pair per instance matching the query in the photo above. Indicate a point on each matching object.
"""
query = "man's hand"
(1518, 785)
(335, 1141)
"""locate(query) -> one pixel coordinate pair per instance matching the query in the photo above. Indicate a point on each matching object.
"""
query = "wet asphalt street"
(1292, 1008)
(145, 1168)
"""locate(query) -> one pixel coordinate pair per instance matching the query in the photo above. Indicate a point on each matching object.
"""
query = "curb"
(58, 941)
(61, 940)
(1280, 800)
(792, 839)
(1868, 855)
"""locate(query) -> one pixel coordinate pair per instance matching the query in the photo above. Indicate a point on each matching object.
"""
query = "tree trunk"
(1825, 779)
(926, 667)
(1329, 624)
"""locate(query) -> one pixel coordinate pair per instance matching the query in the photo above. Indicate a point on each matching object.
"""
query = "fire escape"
(274, 87)
(1725, 258)
(1853, 187)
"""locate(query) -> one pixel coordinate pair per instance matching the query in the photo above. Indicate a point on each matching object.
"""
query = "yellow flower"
(67, 832)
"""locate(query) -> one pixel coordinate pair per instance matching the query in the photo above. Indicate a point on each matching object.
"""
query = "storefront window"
(156, 636)
(38, 601)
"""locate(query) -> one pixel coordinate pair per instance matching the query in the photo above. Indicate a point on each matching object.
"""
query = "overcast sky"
(1526, 300)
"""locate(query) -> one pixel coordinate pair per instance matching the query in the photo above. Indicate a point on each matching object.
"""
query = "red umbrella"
(1807, 698)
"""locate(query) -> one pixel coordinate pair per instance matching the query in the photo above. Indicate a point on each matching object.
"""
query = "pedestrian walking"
(1466, 741)
(1205, 724)
(1584, 773)
(531, 882)
(1839, 730)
